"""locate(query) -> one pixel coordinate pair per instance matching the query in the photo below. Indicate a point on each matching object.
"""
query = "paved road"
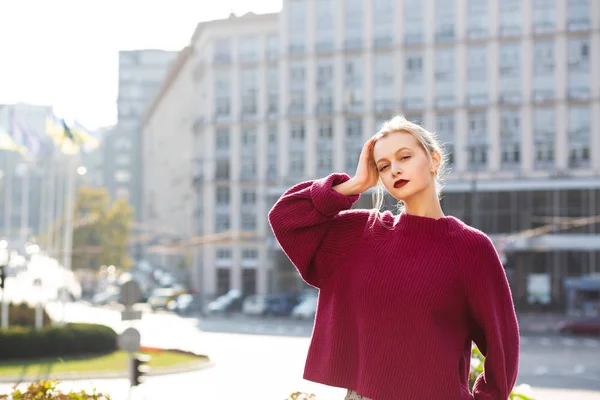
(265, 358)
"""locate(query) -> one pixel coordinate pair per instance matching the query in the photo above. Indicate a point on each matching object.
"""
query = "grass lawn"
(114, 362)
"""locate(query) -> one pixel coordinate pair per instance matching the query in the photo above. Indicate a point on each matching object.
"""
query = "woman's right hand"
(366, 175)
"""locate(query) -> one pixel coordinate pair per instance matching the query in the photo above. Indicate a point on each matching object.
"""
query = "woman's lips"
(399, 183)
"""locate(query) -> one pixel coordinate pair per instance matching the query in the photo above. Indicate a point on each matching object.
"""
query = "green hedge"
(56, 341)
(24, 315)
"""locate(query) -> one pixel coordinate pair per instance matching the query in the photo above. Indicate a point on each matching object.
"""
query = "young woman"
(401, 297)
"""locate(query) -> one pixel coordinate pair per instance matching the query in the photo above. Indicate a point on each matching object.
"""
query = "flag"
(7, 143)
(23, 136)
(70, 139)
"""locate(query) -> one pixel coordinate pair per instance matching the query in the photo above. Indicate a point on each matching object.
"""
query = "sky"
(64, 53)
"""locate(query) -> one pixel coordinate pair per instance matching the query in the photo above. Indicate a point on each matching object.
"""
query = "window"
(579, 136)
(221, 223)
(324, 35)
(249, 49)
(325, 130)
(297, 26)
(383, 91)
(510, 73)
(222, 169)
(249, 254)
(477, 19)
(249, 90)
(444, 75)
(223, 254)
(578, 15)
(543, 70)
(510, 20)
(477, 139)
(297, 163)
(444, 20)
(353, 24)
(297, 132)
(222, 139)
(248, 168)
(272, 151)
(354, 128)
(383, 23)
(414, 21)
(249, 137)
(544, 16)
(222, 51)
(579, 68)
(544, 135)
(248, 221)
(272, 47)
(510, 138)
(248, 196)
(223, 195)
(477, 93)
(445, 131)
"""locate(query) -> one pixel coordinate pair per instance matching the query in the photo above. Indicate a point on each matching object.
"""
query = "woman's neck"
(424, 205)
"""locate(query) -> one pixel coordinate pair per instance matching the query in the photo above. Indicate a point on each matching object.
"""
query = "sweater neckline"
(419, 225)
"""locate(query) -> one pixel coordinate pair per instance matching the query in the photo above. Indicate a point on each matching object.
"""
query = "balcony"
(543, 27)
(578, 93)
(578, 25)
(248, 115)
(445, 101)
(324, 108)
(477, 33)
(221, 59)
(296, 110)
(324, 47)
(220, 118)
(353, 108)
(508, 31)
(384, 42)
(509, 98)
(413, 38)
(413, 103)
(542, 96)
(383, 106)
(353, 44)
(481, 99)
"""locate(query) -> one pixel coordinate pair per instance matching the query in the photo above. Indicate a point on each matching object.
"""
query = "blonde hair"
(428, 141)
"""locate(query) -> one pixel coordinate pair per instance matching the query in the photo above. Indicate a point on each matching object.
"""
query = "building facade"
(512, 88)
(168, 196)
(141, 73)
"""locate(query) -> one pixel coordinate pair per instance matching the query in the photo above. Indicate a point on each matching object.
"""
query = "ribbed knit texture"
(401, 298)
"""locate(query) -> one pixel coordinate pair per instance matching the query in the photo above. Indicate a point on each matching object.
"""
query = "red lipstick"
(400, 182)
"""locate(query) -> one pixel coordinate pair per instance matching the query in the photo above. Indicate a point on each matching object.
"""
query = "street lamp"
(81, 170)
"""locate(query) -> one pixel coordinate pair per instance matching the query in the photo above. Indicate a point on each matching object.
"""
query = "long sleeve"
(494, 327)
(315, 226)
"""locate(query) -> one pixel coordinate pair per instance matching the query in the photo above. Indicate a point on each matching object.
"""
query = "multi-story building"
(22, 178)
(167, 164)
(511, 87)
(141, 73)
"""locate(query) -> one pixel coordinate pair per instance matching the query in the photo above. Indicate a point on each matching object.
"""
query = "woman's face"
(404, 167)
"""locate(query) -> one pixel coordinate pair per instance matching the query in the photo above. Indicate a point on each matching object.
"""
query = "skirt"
(352, 395)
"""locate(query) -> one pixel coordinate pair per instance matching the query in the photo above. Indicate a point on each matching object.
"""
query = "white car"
(255, 305)
(307, 309)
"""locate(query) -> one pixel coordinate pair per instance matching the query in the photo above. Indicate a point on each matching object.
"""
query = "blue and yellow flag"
(70, 139)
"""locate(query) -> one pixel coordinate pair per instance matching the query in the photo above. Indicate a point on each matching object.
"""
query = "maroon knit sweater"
(400, 298)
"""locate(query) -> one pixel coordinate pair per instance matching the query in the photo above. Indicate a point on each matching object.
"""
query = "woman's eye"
(382, 168)
(405, 158)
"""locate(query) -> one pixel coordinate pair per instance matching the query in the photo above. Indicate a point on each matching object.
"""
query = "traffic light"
(2, 276)
(139, 368)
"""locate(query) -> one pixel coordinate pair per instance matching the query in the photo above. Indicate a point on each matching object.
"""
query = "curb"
(191, 367)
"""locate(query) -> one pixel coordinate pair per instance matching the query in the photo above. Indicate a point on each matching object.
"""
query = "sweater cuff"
(327, 201)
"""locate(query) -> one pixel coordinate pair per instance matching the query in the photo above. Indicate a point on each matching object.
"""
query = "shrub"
(56, 341)
(46, 390)
(24, 315)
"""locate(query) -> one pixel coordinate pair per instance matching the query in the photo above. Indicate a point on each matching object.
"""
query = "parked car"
(230, 302)
(307, 309)
(186, 304)
(160, 297)
(281, 304)
(255, 305)
(587, 326)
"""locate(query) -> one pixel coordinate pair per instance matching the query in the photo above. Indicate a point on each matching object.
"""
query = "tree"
(102, 230)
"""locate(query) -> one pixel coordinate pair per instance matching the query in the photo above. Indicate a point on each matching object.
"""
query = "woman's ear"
(436, 159)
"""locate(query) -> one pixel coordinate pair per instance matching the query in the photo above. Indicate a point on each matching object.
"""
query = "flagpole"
(8, 202)
(60, 193)
(68, 231)
(25, 175)
(49, 211)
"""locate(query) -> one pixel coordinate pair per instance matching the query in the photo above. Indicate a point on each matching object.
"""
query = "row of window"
(510, 75)
(510, 20)
(544, 132)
